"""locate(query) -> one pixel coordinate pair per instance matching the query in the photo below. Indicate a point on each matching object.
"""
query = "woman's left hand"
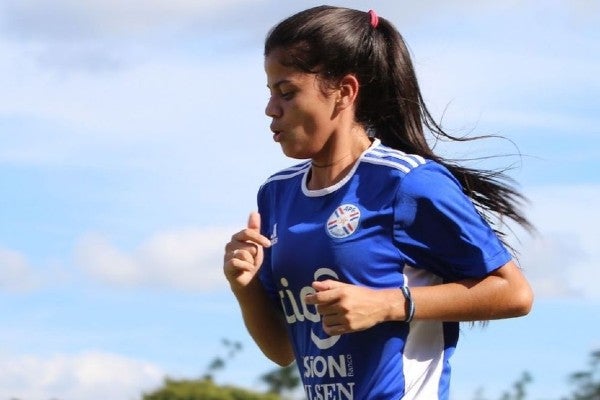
(346, 308)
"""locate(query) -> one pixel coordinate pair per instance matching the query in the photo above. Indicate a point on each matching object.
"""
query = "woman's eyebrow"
(278, 83)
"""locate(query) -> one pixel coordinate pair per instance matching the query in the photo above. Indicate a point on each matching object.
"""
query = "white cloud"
(16, 274)
(187, 259)
(192, 95)
(73, 20)
(563, 260)
(101, 259)
(526, 86)
(173, 114)
(171, 98)
(69, 37)
(550, 262)
(90, 375)
(551, 123)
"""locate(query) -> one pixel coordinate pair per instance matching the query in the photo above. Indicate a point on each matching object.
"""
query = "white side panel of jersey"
(424, 351)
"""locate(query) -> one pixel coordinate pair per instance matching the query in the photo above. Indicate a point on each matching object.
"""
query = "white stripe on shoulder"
(391, 164)
(289, 172)
(413, 159)
(393, 158)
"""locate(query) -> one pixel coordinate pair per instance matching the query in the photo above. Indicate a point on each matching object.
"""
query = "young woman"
(363, 259)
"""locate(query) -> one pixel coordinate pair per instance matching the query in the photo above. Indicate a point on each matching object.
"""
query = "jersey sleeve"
(266, 271)
(438, 228)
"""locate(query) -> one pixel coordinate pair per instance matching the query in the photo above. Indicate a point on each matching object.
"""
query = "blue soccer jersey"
(394, 220)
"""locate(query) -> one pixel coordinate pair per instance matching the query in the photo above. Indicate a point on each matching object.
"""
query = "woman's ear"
(348, 91)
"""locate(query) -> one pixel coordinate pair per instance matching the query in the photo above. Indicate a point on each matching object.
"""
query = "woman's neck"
(326, 173)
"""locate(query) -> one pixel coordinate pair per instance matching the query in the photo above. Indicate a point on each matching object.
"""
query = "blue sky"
(133, 140)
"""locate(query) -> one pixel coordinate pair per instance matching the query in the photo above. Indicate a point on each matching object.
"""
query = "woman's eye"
(287, 95)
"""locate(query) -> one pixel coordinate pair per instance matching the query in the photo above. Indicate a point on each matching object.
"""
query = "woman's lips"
(276, 134)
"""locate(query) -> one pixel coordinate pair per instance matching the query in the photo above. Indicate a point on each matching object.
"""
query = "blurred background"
(133, 141)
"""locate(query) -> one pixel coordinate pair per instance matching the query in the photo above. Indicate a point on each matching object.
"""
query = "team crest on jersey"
(343, 221)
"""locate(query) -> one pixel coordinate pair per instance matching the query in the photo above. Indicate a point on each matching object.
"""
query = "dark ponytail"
(332, 42)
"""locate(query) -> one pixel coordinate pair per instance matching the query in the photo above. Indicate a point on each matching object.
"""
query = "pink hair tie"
(374, 18)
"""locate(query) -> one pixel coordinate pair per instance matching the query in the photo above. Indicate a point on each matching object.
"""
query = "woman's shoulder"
(431, 180)
(387, 157)
(415, 174)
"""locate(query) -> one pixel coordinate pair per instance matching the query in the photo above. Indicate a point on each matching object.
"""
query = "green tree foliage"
(285, 380)
(518, 390)
(282, 380)
(203, 389)
(219, 362)
(587, 383)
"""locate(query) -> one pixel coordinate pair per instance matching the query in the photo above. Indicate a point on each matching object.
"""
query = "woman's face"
(302, 113)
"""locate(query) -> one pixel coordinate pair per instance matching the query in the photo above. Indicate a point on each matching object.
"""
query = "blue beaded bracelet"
(410, 304)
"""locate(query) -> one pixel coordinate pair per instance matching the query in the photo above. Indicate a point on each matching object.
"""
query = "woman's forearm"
(265, 323)
(504, 293)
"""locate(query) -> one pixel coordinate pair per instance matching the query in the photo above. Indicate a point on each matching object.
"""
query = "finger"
(254, 226)
(235, 267)
(254, 221)
(246, 254)
(239, 245)
(230, 252)
(327, 310)
(241, 265)
(321, 298)
(328, 284)
(326, 292)
(334, 328)
(333, 320)
(320, 286)
(250, 236)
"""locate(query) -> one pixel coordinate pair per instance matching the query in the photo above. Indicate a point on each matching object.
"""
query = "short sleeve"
(266, 272)
(438, 228)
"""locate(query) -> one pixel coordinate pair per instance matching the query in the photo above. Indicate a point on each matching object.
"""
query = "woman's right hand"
(244, 254)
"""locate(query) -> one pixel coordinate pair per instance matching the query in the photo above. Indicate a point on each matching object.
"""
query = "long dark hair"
(334, 41)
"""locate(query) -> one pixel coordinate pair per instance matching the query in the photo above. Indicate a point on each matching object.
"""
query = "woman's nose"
(272, 109)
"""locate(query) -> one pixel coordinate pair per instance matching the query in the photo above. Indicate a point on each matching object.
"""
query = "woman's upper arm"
(438, 228)
(518, 295)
